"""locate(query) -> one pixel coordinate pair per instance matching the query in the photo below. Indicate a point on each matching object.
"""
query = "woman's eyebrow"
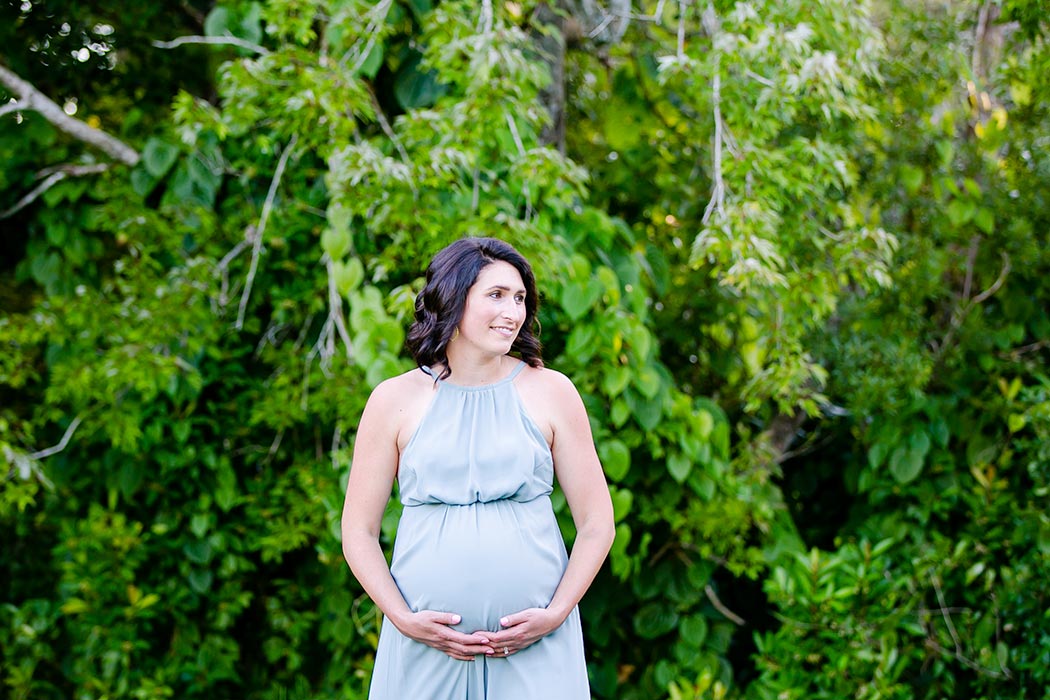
(502, 288)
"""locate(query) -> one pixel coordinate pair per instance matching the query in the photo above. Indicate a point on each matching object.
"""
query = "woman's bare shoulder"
(548, 385)
(403, 390)
(402, 401)
(547, 377)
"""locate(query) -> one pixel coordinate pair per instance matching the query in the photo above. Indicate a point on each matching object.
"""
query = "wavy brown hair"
(439, 307)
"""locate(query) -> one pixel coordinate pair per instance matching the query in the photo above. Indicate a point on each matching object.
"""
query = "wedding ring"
(506, 651)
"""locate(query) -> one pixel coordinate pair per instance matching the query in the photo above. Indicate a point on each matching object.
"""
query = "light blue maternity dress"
(478, 537)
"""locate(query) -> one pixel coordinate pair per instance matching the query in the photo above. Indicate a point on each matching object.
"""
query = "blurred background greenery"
(794, 255)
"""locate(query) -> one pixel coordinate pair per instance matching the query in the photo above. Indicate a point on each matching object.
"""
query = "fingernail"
(455, 619)
(503, 621)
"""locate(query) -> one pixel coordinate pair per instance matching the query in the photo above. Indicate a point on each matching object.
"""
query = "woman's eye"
(519, 299)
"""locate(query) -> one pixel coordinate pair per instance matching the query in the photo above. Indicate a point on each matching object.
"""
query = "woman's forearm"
(365, 557)
(592, 544)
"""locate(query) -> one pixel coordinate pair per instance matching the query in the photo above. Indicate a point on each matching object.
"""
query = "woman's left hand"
(521, 630)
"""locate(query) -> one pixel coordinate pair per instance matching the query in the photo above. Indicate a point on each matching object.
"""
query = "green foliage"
(794, 259)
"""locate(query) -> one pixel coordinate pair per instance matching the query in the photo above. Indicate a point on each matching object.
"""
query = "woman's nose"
(514, 311)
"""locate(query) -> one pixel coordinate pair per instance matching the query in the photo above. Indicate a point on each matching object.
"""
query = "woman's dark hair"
(439, 307)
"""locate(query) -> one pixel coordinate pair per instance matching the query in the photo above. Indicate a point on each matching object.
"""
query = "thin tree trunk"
(552, 48)
(31, 99)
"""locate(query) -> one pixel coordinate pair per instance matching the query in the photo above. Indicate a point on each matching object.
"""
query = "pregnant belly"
(481, 561)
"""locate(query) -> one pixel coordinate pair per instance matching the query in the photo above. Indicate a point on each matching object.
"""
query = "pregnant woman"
(480, 597)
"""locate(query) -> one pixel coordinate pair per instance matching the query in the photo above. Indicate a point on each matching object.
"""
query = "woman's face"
(494, 310)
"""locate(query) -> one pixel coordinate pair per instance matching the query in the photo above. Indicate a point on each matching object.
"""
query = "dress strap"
(517, 370)
(426, 370)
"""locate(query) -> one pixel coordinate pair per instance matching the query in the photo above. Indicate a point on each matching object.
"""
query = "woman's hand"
(433, 629)
(521, 630)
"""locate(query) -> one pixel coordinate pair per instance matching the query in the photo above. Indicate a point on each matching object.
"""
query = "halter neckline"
(476, 387)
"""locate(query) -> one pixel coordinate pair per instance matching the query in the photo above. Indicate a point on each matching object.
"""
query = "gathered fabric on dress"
(478, 537)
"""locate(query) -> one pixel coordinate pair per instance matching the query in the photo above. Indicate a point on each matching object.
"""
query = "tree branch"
(720, 606)
(718, 188)
(13, 106)
(514, 134)
(33, 99)
(384, 124)
(42, 454)
(261, 229)
(52, 176)
(377, 17)
(213, 41)
(946, 615)
(997, 285)
(681, 29)
(968, 304)
(335, 312)
(485, 18)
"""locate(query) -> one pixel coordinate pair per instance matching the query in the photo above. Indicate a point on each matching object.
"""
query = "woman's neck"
(475, 371)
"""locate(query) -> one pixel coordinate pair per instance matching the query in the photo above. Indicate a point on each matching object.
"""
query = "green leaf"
(1002, 654)
(336, 242)
(1021, 93)
(390, 335)
(640, 340)
(205, 179)
(703, 423)
(646, 411)
(581, 346)
(200, 580)
(720, 439)
(919, 441)
(907, 460)
(985, 220)
(620, 412)
(618, 557)
(181, 431)
(221, 22)
(648, 382)
(199, 551)
(655, 619)
(877, 454)
(702, 485)
(679, 466)
(939, 431)
(131, 476)
(420, 7)
(622, 499)
(199, 524)
(347, 276)
(961, 210)
(142, 183)
(415, 88)
(159, 156)
(912, 178)
(74, 606)
(615, 380)
(616, 459)
(577, 298)
(250, 26)
(946, 150)
(373, 62)
(217, 22)
(694, 630)
(226, 495)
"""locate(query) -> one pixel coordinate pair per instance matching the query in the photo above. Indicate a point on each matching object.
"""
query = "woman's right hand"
(434, 629)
